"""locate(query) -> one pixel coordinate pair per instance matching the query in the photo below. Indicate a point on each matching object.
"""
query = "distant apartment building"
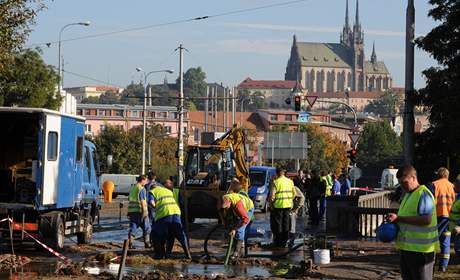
(91, 91)
(273, 92)
(99, 116)
(356, 100)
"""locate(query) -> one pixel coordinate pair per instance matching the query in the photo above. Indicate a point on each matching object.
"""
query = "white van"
(388, 179)
(122, 182)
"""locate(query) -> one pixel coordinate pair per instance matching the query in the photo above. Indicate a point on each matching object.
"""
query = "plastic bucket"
(321, 256)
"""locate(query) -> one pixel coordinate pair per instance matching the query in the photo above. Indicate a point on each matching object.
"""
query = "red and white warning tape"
(59, 255)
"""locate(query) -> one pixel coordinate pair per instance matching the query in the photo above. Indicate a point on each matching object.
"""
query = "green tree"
(439, 144)
(252, 101)
(195, 85)
(133, 94)
(16, 19)
(90, 100)
(378, 143)
(388, 105)
(29, 82)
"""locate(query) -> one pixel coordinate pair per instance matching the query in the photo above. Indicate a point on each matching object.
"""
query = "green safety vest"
(176, 195)
(454, 215)
(134, 205)
(166, 205)
(284, 195)
(248, 204)
(423, 239)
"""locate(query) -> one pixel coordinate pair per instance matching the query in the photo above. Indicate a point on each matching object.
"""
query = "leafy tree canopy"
(441, 93)
(195, 85)
(378, 142)
(16, 19)
(29, 82)
(388, 105)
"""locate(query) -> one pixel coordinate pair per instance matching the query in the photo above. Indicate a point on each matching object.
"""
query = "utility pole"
(206, 109)
(180, 138)
(224, 110)
(409, 121)
(233, 106)
(216, 109)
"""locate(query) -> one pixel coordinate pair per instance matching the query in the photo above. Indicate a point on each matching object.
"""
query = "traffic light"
(297, 103)
(351, 155)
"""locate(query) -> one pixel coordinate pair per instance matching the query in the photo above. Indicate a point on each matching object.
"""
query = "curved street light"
(144, 117)
(84, 23)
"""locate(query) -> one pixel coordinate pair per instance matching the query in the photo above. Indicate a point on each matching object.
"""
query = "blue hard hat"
(387, 232)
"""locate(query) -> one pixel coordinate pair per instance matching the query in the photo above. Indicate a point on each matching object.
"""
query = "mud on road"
(352, 259)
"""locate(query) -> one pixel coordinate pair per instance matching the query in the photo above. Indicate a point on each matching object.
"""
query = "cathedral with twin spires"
(332, 67)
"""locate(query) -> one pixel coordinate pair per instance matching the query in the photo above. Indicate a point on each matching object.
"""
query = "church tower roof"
(374, 55)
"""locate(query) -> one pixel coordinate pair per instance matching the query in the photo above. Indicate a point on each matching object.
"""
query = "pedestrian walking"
(444, 194)
(454, 224)
(167, 221)
(417, 237)
(138, 212)
(299, 201)
(282, 195)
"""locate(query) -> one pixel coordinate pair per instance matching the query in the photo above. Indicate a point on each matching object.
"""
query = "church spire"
(357, 13)
(374, 55)
(347, 24)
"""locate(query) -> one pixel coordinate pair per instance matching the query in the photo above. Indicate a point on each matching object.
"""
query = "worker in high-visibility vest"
(282, 196)
(176, 194)
(167, 221)
(417, 237)
(241, 187)
(237, 208)
(327, 180)
(444, 195)
(137, 211)
(454, 219)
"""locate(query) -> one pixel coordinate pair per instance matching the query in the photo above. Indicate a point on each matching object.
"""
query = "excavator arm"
(236, 140)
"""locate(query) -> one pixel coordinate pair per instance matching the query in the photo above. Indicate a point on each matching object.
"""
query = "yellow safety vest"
(285, 191)
(165, 203)
(423, 239)
(328, 186)
(454, 215)
(134, 205)
(248, 203)
(176, 195)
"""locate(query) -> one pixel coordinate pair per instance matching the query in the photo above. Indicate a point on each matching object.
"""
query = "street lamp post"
(84, 23)
(144, 113)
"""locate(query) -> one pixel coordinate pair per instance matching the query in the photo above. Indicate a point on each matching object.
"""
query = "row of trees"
(126, 149)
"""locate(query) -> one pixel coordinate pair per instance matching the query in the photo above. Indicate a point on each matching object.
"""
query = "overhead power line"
(103, 34)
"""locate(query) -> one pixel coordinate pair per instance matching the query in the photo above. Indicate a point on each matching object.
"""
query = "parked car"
(260, 185)
(122, 182)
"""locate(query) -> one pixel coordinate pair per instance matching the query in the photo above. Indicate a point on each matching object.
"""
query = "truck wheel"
(86, 236)
(57, 232)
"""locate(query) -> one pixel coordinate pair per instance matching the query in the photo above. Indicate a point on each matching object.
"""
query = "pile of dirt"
(102, 258)
(160, 275)
(8, 261)
(91, 248)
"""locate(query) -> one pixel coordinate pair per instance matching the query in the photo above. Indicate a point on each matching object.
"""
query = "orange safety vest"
(445, 196)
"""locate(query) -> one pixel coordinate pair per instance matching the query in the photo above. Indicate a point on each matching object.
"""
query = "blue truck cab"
(48, 176)
(260, 177)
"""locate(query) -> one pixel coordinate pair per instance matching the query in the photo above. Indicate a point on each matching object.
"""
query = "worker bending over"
(282, 195)
(167, 220)
(241, 187)
(238, 211)
(137, 212)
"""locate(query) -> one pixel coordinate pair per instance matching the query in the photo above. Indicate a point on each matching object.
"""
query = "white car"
(122, 182)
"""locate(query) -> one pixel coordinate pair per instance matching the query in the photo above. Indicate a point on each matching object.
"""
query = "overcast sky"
(229, 48)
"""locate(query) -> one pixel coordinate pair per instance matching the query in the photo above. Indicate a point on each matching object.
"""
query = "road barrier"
(357, 216)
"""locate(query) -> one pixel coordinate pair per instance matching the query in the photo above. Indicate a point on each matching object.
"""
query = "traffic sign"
(354, 137)
(311, 99)
(355, 173)
(303, 117)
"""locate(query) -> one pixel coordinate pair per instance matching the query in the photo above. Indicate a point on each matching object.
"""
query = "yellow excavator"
(209, 170)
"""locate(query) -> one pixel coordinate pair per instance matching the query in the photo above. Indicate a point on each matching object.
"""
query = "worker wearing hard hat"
(418, 236)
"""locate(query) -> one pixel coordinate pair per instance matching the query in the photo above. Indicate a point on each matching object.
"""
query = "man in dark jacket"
(318, 189)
